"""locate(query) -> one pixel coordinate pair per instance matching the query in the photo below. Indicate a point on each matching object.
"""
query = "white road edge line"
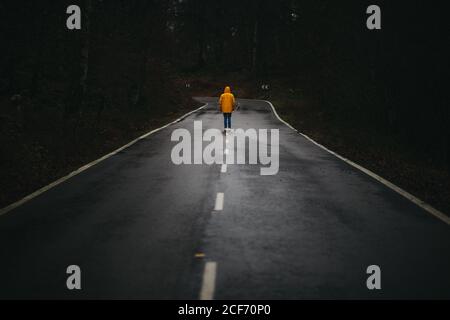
(209, 281)
(223, 168)
(436, 213)
(219, 202)
(87, 166)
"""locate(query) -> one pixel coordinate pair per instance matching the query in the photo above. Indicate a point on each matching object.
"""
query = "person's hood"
(227, 89)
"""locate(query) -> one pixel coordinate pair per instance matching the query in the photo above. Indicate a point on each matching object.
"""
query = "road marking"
(209, 281)
(87, 166)
(223, 168)
(422, 204)
(226, 151)
(219, 202)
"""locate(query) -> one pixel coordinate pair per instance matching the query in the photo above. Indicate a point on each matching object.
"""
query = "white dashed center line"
(209, 273)
(219, 202)
(209, 281)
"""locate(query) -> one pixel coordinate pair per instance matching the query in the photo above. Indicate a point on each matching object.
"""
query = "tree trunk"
(38, 51)
(200, 10)
(255, 46)
(84, 61)
(76, 97)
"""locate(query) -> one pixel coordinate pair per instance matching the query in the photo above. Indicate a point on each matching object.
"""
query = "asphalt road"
(135, 221)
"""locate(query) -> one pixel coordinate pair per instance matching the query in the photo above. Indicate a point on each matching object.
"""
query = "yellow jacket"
(227, 101)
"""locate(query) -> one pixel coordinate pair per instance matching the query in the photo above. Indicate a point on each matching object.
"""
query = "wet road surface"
(140, 226)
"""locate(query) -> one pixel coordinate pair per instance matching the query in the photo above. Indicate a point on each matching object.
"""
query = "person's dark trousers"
(227, 120)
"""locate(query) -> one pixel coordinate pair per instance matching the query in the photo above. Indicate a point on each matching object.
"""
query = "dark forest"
(379, 97)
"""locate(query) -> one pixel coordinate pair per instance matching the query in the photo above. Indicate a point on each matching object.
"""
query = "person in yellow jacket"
(227, 104)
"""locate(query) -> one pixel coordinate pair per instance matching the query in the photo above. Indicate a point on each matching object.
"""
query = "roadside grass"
(40, 151)
(389, 157)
